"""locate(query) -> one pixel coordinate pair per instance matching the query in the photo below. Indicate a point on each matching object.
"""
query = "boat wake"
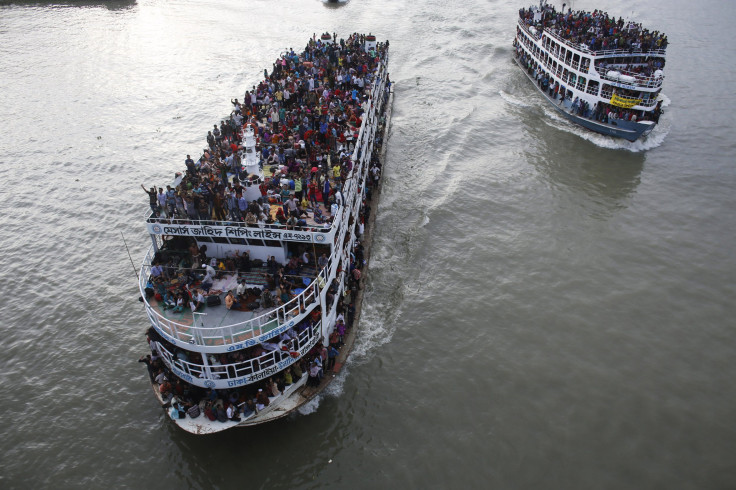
(310, 407)
(652, 140)
(334, 389)
(512, 100)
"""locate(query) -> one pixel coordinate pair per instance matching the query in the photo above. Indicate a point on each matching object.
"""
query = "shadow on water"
(211, 459)
(333, 4)
(110, 4)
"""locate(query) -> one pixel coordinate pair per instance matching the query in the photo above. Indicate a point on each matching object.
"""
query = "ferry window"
(593, 87)
(272, 243)
(581, 83)
(238, 241)
(575, 61)
(218, 239)
(564, 75)
(585, 65)
(204, 239)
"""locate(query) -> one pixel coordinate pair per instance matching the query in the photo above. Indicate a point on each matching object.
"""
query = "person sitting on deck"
(197, 303)
(231, 302)
(169, 301)
(232, 413)
(319, 218)
(241, 290)
(179, 304)
(262, 400)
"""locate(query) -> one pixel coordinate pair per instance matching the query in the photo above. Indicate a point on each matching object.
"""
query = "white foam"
(652, 140)
(311, 406)
(336, 387)
(373, 332)
(512, 100)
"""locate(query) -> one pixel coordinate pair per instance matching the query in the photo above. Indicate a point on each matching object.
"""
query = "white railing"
(639, 79)
(607, 94)
(241, 334)
(223, 376)
(601, 53)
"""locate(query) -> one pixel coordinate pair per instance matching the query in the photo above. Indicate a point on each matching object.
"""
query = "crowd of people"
(306, 114)
(184, 399)
(596, 30)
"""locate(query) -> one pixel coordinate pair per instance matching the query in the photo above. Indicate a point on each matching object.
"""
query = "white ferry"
(255, 258)
(599, 72)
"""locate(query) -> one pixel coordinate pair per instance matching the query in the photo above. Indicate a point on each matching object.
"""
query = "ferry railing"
(213, 339)
(607, 94)
(600, 53)
(537, 32)
(639, 79)
(221, 376)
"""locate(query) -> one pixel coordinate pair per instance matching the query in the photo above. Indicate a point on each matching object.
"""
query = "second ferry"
(600, 72)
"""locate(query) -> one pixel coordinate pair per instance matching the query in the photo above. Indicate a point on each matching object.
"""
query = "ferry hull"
(628, 130)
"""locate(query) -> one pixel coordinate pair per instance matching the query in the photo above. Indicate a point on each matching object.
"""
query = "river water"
(546, 308)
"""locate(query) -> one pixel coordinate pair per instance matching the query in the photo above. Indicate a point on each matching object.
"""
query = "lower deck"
(218, 316)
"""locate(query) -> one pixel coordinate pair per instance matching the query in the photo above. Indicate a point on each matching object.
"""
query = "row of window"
(550, 60)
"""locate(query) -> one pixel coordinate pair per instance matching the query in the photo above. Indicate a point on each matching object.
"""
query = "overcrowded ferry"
(600, 72)
(255, 269)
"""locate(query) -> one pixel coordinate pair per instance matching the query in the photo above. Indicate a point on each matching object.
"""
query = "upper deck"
(623, 68)
(595, 32)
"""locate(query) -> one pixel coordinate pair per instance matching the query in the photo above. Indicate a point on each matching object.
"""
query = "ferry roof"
(306, 131)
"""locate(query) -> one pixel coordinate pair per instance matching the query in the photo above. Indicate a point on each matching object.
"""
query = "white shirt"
(210, 274)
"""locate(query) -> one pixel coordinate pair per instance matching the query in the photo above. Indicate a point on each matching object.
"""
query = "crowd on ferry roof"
(306, 113)
(596, 30)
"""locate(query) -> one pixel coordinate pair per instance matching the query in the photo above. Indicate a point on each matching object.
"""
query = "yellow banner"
(625, 102)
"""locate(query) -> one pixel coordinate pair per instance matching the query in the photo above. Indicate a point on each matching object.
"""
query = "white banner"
(247, 232)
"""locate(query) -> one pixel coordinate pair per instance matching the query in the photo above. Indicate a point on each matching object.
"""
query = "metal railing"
(600, 53)
(639, 79)
(607, 94)
(241, 334)
(223, 376)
